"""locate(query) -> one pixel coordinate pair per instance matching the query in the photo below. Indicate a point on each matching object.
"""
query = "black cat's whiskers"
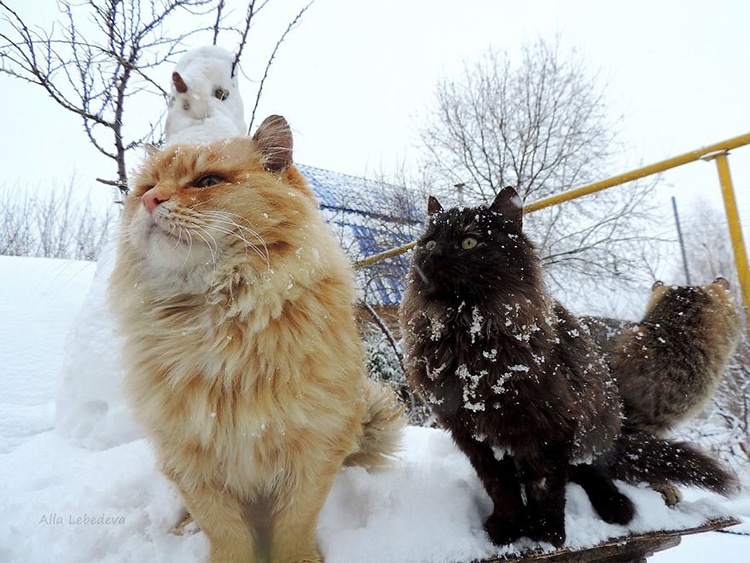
(421, 274)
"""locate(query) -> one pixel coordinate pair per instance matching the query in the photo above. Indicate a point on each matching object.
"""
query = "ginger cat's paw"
(186, 526)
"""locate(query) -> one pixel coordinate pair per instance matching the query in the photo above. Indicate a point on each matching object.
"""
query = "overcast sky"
(357, 77)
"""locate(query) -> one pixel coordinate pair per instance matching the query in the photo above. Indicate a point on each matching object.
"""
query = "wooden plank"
(636, 547)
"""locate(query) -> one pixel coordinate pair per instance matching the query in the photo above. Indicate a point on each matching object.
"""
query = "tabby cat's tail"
(639, 457)
(382, 425)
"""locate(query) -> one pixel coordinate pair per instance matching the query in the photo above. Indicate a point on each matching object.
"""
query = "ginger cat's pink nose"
(152, 198)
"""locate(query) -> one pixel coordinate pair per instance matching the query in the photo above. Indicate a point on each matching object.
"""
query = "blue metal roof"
(369, 217)
(360, 195)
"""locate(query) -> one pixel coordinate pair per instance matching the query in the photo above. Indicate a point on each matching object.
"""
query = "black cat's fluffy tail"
(639, 457)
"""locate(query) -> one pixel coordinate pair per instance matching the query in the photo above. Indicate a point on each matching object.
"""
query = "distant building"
(369, 217)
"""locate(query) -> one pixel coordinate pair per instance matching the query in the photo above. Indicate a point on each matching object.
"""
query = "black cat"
(508, 371)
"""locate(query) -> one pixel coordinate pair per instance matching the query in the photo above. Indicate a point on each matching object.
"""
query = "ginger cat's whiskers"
(225, 225)
(209, 240)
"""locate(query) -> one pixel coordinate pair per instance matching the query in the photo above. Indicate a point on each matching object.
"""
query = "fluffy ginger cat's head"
(197, 214)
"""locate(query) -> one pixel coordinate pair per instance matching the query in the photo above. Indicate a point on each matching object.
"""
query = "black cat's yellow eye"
(430, 244)
(207, 181)
(468, 243)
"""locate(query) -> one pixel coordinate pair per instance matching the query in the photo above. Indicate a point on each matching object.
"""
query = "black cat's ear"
(509, 204)
(179, 83)
(273, 139)
(433, 205)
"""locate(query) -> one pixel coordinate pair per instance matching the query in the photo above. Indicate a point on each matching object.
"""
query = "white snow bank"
(66, 503)
(113, 505)
(91, 408)
(38, 297)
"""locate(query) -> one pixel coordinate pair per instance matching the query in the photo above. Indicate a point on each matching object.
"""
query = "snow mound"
(39, 296)
(111, 504)
(91, 408)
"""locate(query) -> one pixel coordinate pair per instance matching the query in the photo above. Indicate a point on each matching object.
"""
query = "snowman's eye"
(221, 93)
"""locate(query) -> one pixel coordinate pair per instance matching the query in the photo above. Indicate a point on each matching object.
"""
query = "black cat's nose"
(436, 252)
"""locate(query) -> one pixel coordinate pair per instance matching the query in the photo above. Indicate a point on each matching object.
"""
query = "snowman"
(205, 103)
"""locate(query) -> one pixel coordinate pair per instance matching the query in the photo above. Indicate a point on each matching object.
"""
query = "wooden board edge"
(623, 548)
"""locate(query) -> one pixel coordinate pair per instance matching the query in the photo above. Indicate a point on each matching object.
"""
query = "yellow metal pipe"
(385, 254)
(735, 228)
(673, 162)
(661, 166)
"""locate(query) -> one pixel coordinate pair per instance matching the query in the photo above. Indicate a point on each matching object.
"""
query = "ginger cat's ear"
(273, 140)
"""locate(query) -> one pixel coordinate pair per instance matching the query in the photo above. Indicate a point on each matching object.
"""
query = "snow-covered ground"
(78, 484)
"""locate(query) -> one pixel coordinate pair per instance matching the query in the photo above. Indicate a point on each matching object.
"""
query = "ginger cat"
(245, 365)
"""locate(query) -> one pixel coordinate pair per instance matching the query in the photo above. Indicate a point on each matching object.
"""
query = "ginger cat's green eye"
(430, 244)
(468, 243)
(207, 181)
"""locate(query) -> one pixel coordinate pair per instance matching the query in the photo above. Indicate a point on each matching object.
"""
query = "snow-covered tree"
(52, 224)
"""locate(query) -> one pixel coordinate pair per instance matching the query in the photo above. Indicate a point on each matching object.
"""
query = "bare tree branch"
(250, 15)
(288, 29)
(539, 122)
(217, 26)
(95, 59)
(103, 55)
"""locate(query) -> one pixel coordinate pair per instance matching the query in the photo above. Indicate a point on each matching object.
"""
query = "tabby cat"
(669, 364)
(508, 371)
(244, 362)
